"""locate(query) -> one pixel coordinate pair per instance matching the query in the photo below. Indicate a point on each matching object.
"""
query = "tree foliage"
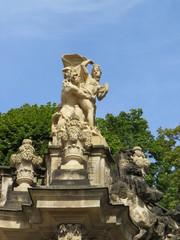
(123, 131)
(167, 165)
(130, 129)
(126, 131)
(25, 122)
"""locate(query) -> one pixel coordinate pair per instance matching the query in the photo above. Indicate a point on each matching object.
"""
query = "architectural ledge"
(51, 206)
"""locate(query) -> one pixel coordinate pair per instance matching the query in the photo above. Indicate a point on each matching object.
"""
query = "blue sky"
(136, 43)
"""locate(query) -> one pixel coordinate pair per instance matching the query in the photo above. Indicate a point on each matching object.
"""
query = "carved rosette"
(71, 231)
(25, 161)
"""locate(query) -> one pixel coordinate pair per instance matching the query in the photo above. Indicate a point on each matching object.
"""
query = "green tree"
(130, 129)
(126, 131)
(123, 131)
(167, 165)
(25, 122)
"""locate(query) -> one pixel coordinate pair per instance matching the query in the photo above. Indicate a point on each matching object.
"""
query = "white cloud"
(38, 18)
(66, 6)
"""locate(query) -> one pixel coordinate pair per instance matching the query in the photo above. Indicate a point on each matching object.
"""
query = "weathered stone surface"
(130, 188)
(25, 161)
(52, 207)
(95, 167)
(6, 181)
(71, 231)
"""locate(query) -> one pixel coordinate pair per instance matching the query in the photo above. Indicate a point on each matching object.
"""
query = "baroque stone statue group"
(78, 190)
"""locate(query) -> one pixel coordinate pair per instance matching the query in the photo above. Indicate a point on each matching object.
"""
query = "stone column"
(71, 232)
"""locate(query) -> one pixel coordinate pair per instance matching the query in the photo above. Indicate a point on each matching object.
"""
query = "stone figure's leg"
(88, 107)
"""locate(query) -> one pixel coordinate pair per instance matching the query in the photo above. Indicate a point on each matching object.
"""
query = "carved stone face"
(67, 72)
(75, 79)
(96, 72)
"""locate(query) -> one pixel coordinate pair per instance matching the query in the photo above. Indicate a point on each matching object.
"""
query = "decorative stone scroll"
(71, 231)
(25, 161)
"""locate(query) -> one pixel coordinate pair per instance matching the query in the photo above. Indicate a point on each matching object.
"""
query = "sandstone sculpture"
(25, 161)
(73, 125)
(79, 92)
(140, 160)
(130, 188)
(77, 193)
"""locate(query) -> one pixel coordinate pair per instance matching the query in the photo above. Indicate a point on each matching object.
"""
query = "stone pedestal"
(25, 176)
(93, 169)
(98, 165)
(25, 161)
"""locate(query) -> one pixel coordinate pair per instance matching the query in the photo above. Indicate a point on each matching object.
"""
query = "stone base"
(69, 183)
(16, 199)
(71, 177)
(95, 166)
(22, 188)
(99, 140)
(73, 164)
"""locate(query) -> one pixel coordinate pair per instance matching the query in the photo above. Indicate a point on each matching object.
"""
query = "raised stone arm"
(102, 91)
(84, 67)
(86, 62)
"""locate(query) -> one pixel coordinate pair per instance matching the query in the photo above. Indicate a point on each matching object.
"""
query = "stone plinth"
(94, 169)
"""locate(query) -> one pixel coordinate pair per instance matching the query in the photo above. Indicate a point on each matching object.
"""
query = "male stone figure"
(79, 91)
(94, 88)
